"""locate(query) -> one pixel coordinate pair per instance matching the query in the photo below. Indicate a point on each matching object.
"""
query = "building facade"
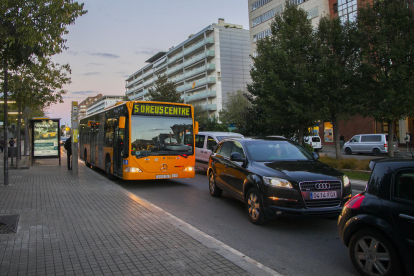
(102, 103)
(83, 105)
(206, 67)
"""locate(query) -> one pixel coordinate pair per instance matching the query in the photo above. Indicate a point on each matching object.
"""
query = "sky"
(115, 38)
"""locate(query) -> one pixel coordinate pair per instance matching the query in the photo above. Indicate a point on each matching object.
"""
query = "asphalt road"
(289, 246)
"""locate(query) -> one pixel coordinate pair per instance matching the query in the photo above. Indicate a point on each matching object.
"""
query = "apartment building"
(85, 103)
(104, 102)
(262, 13)
(206, 67)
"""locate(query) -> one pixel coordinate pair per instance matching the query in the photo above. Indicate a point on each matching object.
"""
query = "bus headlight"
(189, 169)
(132, 169)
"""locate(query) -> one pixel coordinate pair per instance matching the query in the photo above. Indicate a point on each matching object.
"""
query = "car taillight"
(355, 202)
(385, 145)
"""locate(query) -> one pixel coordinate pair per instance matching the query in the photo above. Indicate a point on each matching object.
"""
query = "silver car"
(369, 143)
(204, 143)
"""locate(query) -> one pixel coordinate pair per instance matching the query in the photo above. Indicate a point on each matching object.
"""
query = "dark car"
(276, 177)
(378, 224)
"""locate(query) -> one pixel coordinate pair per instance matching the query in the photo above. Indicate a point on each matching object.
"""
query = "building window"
(262, 18)
(259, 3)
(347, 10)
(335, 8)
(297, 2)
(312, 13)
(262, 35)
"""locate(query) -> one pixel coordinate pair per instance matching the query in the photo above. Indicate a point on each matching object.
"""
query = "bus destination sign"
(161, 110)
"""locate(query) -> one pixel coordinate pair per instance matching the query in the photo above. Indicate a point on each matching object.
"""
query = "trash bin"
(12, 152)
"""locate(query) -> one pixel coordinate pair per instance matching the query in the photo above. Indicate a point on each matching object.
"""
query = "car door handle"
(407, 217)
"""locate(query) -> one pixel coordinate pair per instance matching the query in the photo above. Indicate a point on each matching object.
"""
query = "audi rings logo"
(322, 186)
(164, 167)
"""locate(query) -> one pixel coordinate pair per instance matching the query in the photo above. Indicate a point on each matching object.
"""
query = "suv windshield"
(151, 135)
(268, 151)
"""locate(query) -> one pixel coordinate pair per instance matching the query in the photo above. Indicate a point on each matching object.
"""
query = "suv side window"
(371, 138)
(237, 147)
(404, 185)
(211, 143)
(199, 141)
(226, 148)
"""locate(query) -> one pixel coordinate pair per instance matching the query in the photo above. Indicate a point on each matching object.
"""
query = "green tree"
(338, 57)
(207, 123)
(234, 107)
(164, 91)
(283, 78)
(386, 31)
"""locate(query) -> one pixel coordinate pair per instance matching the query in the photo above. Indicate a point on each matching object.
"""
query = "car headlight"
(346, 181)
(277, 182)
(132, 169)
(188, 169)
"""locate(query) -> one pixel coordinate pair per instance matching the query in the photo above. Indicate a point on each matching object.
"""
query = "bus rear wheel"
(108, 171)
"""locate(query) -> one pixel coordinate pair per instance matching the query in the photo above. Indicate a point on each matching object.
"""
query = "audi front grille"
(309, 186)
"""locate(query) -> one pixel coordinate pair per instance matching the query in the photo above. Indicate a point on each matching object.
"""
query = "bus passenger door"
(119, 151)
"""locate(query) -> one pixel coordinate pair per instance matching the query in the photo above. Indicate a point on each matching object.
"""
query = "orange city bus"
(139, 140)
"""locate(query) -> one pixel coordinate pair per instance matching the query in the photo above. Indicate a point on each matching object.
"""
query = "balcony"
(174, 69)
(151, 71)
(204, 68)
(206, 54)
(177, 79)
(134, 81)
(201, 95)
(197, 83)
(180, 55)
(209, 107)
(209, 40)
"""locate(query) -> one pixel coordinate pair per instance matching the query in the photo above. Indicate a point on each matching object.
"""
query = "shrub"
(308, 147)
(346, 163)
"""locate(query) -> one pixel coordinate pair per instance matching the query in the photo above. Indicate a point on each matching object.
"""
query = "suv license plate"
(163, 176)
(322, 195)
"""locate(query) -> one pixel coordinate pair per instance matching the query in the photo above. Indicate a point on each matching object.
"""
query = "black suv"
(276, 177)
(378, 224)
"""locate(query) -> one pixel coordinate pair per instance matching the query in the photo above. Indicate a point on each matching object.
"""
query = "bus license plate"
(163, 176)
(322, 195)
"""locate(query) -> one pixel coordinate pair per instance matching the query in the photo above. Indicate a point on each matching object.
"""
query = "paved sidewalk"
(87, 225)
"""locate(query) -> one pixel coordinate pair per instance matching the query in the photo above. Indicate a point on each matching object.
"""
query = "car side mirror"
(235, 156)
(213, 148)
(315, 155)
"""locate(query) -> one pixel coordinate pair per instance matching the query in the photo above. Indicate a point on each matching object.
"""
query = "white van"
(314, 141)
(204, 143)
(369, 143)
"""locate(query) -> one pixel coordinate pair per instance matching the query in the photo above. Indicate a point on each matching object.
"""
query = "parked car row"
(277, 177)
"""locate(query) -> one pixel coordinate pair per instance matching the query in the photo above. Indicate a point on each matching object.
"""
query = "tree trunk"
(5, 150)
(335, 123)
(300, 135)
(390, 139)
(19, 143)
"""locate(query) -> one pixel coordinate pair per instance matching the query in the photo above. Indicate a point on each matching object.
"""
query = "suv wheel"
(348, 151)
(376, 152)
(373, 254)
(214, 190)
(254, 207)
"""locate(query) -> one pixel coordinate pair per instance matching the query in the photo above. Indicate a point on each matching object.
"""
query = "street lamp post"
(5, 152)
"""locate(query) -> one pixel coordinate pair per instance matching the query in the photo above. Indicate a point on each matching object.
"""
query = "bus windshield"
(153, 135)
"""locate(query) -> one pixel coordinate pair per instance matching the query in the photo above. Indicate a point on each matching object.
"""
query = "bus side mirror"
(195, 127)
(121, 124)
